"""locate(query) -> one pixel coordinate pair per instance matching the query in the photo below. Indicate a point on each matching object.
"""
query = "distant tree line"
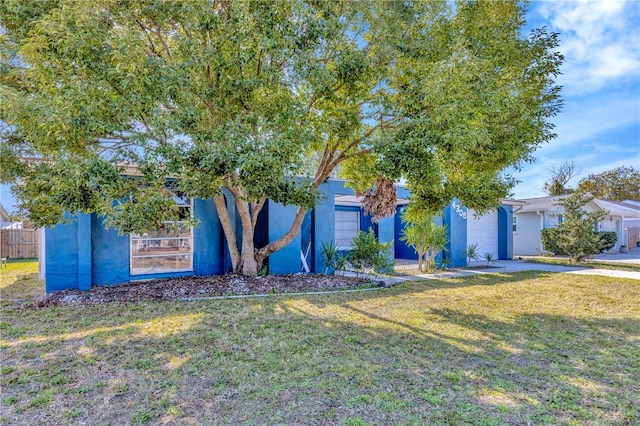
(621, 183)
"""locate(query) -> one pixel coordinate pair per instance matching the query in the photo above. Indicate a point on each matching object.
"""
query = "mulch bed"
(209, 286)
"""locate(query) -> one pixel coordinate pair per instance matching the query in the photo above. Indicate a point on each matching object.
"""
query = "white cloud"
(599, 39)
(594, 117)
(599, 126)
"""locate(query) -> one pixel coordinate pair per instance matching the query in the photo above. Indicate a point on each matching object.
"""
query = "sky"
(599, 125)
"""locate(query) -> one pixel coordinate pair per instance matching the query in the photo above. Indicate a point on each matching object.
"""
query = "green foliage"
(621, 183)
(607, 239)
(471, 253)
(489, 257)
(249, 96)
(575, 236)
(423, 233)
(341, 262)
(329, 254)
(553, 240)
(550, 237)
(368, 254)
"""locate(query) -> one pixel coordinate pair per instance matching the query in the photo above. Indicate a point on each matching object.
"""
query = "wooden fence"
(15, 243)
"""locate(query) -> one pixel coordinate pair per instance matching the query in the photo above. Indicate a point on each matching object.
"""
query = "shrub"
(575, 233)
(472, 253)
(329, 254)
(368, 254)
(550, 238)
(489, 257)
(606, 239)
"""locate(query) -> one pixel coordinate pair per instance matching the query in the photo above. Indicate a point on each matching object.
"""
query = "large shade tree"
(105, 103)
(619, 184)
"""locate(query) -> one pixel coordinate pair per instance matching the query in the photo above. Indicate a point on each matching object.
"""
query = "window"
(347, 227)
(560, 218)
(169, 249)
(515, 224)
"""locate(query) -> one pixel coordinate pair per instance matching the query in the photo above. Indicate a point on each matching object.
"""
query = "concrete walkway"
(508, 266)
(632, 257)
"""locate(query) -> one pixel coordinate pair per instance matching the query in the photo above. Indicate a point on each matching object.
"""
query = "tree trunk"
(249, 265)
(243, 262)
(227, 228)
(249, 260)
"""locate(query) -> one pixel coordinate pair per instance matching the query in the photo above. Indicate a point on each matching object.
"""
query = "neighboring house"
(546, 212)
(631, 225)
(83, 253)
(6, 222)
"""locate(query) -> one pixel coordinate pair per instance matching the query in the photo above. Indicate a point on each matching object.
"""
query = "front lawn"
(527, 348)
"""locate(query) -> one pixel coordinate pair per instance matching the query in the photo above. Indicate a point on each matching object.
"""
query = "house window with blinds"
(347, 226)
(168, 249)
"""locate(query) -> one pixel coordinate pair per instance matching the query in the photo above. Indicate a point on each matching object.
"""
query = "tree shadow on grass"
(399, 356)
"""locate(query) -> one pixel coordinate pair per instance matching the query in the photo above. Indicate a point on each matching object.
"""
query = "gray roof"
(551, 203)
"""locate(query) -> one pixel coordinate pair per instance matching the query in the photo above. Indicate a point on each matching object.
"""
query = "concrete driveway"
(632, 257)
(507, 266)
(522, 265)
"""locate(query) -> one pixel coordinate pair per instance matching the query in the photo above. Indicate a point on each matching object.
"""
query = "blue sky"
(599, 126)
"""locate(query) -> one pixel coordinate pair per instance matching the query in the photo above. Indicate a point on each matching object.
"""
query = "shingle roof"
(550, 203)
(540, 204)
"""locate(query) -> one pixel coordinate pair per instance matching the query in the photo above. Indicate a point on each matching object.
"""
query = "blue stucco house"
(84, 253)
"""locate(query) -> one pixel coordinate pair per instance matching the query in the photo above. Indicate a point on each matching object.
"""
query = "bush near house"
(550, 238)
(574, 236)
(607, 239)
(370, 255)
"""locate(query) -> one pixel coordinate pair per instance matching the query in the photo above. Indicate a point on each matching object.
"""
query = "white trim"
(42, 254)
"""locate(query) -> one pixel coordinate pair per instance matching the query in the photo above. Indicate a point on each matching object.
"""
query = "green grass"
(19, 281)
(592, 264)
(496, 349)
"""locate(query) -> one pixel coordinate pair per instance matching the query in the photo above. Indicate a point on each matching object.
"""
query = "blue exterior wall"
(455, 218)
(366, 223)
(84, 252)
(386, 230)
(401, 249)
(287, 259)
(208, 239)
(110, 253)
(505, 232)
(306, 239)
(61, 257)
(324, 223)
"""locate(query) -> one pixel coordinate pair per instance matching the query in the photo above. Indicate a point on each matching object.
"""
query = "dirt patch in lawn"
(209, 286)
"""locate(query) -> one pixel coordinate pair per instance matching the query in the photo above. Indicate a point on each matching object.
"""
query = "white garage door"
(484, 232)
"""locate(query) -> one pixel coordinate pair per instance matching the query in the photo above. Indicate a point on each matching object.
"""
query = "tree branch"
(158, 32)
(255, 210)
(265, 251)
